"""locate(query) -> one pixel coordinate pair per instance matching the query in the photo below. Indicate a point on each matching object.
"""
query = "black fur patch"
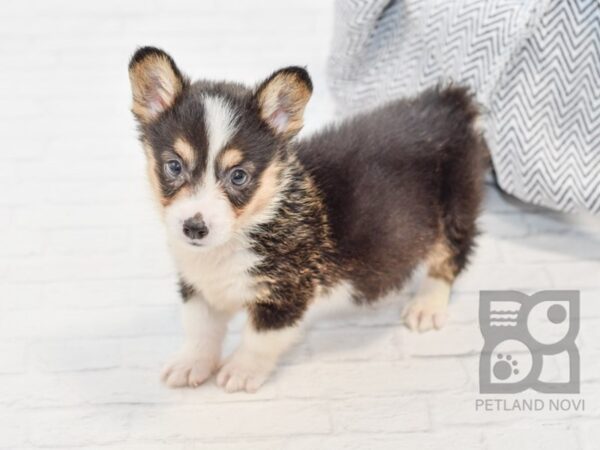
(396, 180)
(186, 290)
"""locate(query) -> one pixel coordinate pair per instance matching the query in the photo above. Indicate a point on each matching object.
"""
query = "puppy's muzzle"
(195, 228)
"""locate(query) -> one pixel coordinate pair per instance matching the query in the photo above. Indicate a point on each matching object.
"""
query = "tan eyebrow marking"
(267, 189)
(231, 157)
(186, 151)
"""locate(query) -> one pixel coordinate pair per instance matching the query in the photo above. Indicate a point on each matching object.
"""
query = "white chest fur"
(220, 274)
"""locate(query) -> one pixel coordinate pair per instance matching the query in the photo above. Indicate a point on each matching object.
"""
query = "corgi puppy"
(259, 221)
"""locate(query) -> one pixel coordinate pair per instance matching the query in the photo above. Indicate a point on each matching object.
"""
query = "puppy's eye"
(239, 177)
(173, 168)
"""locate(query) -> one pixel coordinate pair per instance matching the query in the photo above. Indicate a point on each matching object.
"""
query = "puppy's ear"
(156, 82)
(282, 98)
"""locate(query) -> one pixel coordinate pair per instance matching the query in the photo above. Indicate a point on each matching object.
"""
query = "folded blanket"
(534, 65)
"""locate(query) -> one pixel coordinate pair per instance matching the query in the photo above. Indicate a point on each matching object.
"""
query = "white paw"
(244, 371)
(187, 369)
(423, 315)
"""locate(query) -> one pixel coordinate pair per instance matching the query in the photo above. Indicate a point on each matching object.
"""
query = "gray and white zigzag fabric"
(533, 64)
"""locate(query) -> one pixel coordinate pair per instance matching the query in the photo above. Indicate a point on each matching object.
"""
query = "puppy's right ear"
(156, 82)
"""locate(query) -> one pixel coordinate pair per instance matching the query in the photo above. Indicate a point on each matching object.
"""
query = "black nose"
(195, 228)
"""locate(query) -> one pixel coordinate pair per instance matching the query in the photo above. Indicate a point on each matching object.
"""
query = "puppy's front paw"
(244, 371)
(187, 369)
(423, 315)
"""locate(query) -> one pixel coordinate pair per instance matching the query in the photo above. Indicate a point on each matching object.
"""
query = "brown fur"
(440, 261)
(263, 196)
(185, 151)
(230, 158)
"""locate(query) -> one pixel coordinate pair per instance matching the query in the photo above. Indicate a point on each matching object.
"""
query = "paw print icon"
(523, 332)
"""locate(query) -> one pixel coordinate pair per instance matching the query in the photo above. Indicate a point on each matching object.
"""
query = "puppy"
(259, 221)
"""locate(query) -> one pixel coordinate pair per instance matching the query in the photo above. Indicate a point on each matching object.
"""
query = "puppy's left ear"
(156, 83)
(282, 98)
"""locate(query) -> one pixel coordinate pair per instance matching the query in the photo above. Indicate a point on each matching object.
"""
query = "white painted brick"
(376, 379)
(538, 436)
(557, 222)
(13, 356)
(154, 291)
(14, 428)
(149, 352)
(464, 339)
(119, 386)
(355, 343)
(448, 440)
(542, 248)
(93, 266)
(85, 215)
(87, 323)
(65, 355)
(86, 294)
(102, 293)
(464, 307)
(343, 313)
(21, 243)
(590, 363)
(20, 295)
(83, 192)
(235, 444)
(385, 415)
(94, 387)
(503, 225)
(575, 275)
(5, 211)
(212, 420)
(588, 432)
(80, 427)
(486, 251)
(130, 445)
(86, 241)
(14, 389)
(589, 331)
(87, 169)
(107, 147)
(527, 277)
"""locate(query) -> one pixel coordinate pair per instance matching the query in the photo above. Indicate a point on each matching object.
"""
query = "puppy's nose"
(194, 227)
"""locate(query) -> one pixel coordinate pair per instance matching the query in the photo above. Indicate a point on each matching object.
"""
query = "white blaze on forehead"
(220, 125)
(208, 197)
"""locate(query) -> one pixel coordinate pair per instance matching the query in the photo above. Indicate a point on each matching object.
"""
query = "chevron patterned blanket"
(533, 64)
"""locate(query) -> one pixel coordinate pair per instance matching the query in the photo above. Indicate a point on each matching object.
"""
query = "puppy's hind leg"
(428, 308)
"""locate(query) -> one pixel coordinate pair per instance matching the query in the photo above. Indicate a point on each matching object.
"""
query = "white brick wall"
(88, 304)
